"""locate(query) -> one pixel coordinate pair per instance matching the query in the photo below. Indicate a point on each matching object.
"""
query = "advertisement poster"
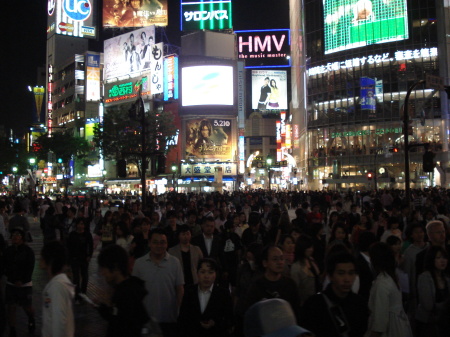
(92, 77)
(269, 90)
(129, 53)
(355, 23)
(367, 94)
(209, 138)
(134, 13)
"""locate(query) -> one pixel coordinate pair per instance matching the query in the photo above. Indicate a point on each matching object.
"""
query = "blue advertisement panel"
(367, 93)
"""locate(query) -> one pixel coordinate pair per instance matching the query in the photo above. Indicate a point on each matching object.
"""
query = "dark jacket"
(19, 263)
(216, 245)
(127, 315)
(320, 320)
(80, 246)
(219, 309)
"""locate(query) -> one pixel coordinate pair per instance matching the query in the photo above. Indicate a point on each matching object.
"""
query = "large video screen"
(269, 90)
(129, 53)
(209, 138)
(207, 85)
(134, 13)
(356, 23)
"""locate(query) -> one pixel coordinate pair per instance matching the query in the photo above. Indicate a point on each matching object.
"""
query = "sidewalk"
(88, 322)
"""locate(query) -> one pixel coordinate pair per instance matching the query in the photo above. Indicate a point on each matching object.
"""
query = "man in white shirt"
(164, 282)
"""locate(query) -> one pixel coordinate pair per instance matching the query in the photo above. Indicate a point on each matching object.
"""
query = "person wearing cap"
(272, 318)
(337, 311)
(19, 265)
(188, 255)
(273, 284)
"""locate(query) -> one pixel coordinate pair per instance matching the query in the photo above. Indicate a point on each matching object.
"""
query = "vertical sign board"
(49, 99)
(71, 18)
(170, 77)
(367, 95)
(38, 98)
(156, 68)
(278, 126)
(241, 94)
(92, 77)
(209, 15)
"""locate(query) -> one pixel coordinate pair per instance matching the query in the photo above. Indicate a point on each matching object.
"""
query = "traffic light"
(60, 160)
(369, 175)
(394, 149)
(428, 161)
(122, 168)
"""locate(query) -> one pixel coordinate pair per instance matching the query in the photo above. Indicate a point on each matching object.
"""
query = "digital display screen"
(207, 85)
(355, 23)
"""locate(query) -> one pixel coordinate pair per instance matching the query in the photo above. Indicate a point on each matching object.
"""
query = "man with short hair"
(209, 243)
(337, 311)
(171, 228)
(273, 284)
(164, 282)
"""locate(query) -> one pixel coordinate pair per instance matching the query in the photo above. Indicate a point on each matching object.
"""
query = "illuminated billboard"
(209, 15)
(126, 90)
(264, 48)
(92, 77)
(207, 85)
(157, 68)
(134, 13)
(269, 90)
(72, 18)
(170, 77)
(129, 53)
(356, 23)
(209, 138)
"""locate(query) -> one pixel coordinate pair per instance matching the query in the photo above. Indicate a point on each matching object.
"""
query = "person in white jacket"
(58, 294)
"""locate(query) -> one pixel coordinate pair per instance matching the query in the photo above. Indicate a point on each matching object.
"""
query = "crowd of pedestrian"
(348, 264)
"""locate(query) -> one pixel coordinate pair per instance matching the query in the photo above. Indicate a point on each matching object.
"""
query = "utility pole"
(406, 140)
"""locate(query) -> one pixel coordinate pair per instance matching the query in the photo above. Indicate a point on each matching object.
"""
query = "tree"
(65, 147)
(13, 155)
(120, 137)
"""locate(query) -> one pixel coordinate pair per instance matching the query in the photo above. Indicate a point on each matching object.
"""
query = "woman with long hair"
(387, 317)
(304, 270)
(432, 314)
(274, 95)
(340, 236)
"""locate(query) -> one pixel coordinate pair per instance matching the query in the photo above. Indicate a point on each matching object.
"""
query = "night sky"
(24, 37)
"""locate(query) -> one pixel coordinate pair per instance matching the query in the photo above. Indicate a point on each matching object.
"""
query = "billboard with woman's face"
(209, 138)
(269, 90)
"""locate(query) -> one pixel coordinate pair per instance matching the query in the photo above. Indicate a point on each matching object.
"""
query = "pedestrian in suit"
(209, 243)
(206, 309)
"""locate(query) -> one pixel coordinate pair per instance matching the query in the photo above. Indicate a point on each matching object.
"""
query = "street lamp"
(269, 164)
(14, 169)
(174, 171)
(32, 185)
(104, 178)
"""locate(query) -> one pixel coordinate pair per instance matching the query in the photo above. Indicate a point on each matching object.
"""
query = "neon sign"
(206, 15)
(77, 10)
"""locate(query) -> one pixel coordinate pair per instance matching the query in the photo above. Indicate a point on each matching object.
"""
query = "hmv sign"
(264, 48)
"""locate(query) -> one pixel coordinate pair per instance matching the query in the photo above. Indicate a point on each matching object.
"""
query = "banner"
(157, 68)
(134, 13)
(209, 138)
(129, 53)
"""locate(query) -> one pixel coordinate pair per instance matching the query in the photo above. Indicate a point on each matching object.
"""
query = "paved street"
(88, 322)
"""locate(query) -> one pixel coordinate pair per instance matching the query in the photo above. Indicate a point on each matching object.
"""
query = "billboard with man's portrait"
(134, 13)
(129, 53)
(269, 90)
(209, 138)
